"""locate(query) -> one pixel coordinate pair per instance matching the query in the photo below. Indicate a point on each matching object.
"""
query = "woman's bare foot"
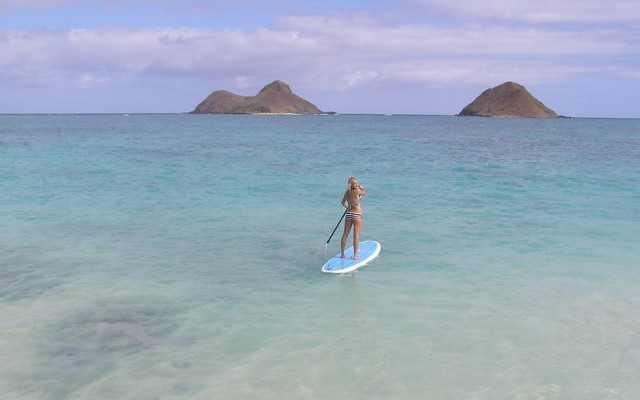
(342, 255)
(356, 257)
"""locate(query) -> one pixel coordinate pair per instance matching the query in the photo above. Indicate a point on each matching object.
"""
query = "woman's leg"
(357, 225)
(345, 235)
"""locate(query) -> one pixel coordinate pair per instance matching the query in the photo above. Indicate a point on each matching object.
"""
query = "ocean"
(178, 257)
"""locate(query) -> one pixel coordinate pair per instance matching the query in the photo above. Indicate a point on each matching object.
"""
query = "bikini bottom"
(353, 215)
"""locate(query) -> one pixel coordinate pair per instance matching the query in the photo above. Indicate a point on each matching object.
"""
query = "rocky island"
(507, 100)
(275, 98)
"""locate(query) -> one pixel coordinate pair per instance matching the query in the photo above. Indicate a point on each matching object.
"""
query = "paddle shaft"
(334, 229)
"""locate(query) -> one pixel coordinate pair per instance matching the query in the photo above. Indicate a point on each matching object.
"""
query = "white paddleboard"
(367, 251)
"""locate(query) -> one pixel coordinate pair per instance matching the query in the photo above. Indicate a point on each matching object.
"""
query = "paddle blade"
(326, 246)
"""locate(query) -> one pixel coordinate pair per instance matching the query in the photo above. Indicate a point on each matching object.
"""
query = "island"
(507, 100)
(275, 98)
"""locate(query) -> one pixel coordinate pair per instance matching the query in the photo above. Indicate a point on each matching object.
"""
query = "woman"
(351, 201)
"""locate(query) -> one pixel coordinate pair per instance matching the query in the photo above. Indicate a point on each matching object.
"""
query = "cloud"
(7, 5)
(470, 39)
(320, 51)
(538, 11)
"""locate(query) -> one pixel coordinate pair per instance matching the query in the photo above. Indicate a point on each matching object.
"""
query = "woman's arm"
(345, 202)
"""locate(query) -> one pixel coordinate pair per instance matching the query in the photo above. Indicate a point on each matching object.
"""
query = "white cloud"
(88, 81)
(428, 39)
(538, 11)
(318, 51)
(7, 5)
(244, 82)
(358, 78)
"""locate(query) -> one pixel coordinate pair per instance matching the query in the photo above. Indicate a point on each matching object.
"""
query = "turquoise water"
(178, 257)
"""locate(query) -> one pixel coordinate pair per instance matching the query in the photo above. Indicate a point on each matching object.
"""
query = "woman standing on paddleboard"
(353, 216)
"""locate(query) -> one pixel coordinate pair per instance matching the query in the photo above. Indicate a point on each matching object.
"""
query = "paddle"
(326, 246)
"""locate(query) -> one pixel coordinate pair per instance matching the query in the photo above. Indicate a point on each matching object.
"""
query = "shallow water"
(178, 257)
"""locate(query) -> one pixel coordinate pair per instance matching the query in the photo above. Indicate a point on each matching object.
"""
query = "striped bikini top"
(357, 203)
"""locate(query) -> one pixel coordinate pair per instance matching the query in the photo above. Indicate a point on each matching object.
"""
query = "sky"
(581, 58)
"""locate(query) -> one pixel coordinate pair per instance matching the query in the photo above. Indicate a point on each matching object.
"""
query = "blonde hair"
(350, 183)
